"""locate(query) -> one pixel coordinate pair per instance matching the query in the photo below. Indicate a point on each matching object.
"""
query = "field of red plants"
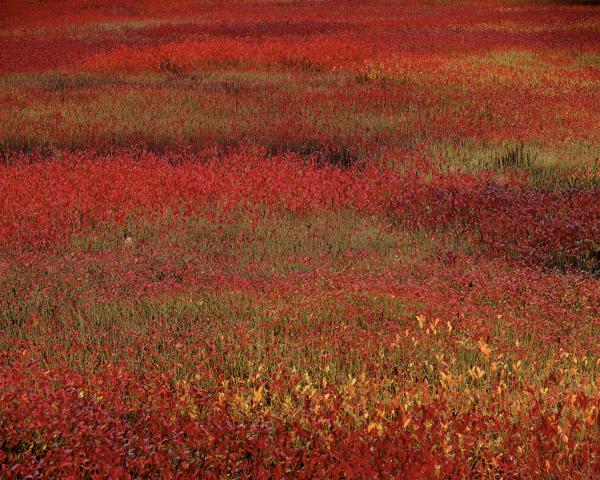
(300, 239)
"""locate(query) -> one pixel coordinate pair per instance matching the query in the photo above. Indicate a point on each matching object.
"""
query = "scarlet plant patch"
(299, 240)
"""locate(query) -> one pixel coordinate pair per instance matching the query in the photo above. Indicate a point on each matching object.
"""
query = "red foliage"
(111, 364)
(144, 430)
(45, 202)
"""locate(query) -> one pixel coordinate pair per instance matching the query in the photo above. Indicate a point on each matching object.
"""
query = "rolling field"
(300, 239)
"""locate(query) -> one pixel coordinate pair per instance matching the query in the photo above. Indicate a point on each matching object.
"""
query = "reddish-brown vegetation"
(299, 239)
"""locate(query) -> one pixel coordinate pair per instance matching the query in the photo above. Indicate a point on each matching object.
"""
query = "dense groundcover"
(294, 239)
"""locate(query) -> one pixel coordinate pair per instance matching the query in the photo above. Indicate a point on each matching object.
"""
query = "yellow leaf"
(257, 397)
